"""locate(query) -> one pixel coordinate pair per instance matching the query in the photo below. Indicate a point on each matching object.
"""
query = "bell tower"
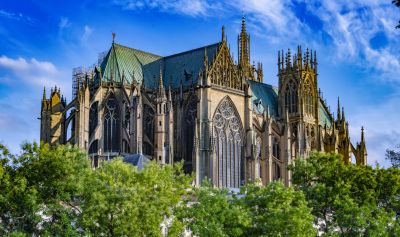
(298, 95)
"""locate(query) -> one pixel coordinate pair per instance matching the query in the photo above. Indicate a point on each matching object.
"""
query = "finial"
(113, 36)
(223, 34)
(362, 133)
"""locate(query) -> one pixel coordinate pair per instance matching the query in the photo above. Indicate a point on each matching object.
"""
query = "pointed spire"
(338, 108)
(244, 46)
(243, 25)
(259, 72)
(343, 118)
(362, 134)
(169, 93)
(299, 56)
(279, 61)
(288, 58)
(44, 93)
(315, 60)
(160, 81)
(205, 59)
(223, 34)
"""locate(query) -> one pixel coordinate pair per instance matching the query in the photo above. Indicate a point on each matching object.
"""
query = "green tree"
(277, 210)
(41, 189)
(394, 157)
(346, 199)
(122, 201)
(212, 211)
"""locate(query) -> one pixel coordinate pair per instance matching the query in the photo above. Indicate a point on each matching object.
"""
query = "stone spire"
(161, 90)
(44, 93)
(244, 46)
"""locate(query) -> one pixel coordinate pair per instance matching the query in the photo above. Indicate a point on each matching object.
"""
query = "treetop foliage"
(53, 191)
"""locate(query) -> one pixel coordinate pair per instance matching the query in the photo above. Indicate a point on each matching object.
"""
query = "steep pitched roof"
(324, 117)
(140, 66)
(121, 60)
(264, 96)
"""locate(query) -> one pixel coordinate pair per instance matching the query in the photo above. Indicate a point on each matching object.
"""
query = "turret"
(160, 122)
(52, 119)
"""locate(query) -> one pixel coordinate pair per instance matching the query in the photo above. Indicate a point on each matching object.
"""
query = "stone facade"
(203, 108)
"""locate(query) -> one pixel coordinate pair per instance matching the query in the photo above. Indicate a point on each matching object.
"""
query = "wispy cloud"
(382, 130)
(184, 7)
(87, 32)
(64, 23)
(16, 16)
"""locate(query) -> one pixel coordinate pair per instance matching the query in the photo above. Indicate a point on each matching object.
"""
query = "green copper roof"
(127, 64)
(264, 96)
(324, 117)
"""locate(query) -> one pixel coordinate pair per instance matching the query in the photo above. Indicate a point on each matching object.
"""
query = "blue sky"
(356, 42)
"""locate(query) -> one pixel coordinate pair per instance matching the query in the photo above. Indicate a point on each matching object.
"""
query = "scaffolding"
(78, 77)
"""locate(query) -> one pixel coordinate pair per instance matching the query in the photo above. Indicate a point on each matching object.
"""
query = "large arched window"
(291, 97)
(227, 134)
(111, 125)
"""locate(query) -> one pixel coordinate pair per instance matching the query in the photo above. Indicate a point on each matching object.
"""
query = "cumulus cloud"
(20, 102)
(32, 72)
(184, 7)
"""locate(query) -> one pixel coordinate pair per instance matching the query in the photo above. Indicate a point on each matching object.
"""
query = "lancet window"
(112, 126)
(291, 97)
(228, 144)
(93, 118)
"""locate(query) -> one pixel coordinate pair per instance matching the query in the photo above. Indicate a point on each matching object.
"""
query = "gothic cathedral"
(202, 108)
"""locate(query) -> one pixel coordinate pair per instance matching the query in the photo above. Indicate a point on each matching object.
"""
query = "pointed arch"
(112, 125)
(291, 96)
(228, 137)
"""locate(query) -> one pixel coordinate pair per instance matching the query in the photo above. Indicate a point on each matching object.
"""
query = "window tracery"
(227, 130)
(291, 97)
(111, 125)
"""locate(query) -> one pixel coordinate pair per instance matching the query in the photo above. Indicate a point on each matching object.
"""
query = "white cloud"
(184, 7)
(87, 32)
(20, 104)
(32, 72)
(64, 23)
(15, 16)
(382, 127)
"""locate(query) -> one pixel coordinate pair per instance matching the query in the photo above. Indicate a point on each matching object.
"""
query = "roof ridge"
(138, 50)
(262, 83)
(192, 50)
